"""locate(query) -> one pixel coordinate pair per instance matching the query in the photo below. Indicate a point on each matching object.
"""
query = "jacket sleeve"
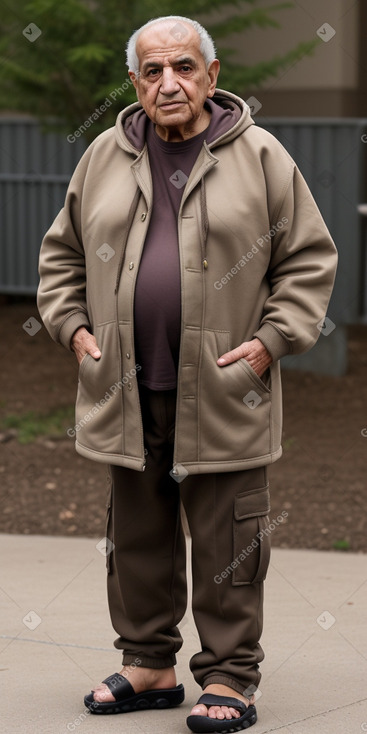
(61, 296)
(301, 272)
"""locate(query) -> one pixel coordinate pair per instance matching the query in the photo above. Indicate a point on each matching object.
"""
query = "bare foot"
(141, 679)
(220, 712)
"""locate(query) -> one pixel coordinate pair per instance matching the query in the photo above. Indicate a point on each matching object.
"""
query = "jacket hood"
(130, 127)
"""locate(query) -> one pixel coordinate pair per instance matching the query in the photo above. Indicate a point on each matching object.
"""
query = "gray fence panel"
(332, 157)
(35, 169)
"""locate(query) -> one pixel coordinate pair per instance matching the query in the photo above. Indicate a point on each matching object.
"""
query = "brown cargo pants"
(147, 592)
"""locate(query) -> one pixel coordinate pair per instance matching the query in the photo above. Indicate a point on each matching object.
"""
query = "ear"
(213, 72)
(134, 78)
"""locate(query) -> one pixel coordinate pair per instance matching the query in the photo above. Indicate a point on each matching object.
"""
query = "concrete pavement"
(56, 642)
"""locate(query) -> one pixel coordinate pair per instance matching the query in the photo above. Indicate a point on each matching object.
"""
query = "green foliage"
(31, 425)
(342, 545)
(79, 58)
(288, 443)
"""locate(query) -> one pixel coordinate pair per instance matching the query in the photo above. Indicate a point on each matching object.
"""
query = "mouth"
(170, 105)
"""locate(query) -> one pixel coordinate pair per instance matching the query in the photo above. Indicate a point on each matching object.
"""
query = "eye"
(153, 72)
(185, 68)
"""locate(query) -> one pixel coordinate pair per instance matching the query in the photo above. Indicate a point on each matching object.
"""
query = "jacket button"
(131, 265)
(127, 355)
(129, 386)
(143, 217)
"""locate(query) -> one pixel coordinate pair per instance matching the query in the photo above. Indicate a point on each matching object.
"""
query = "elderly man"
(189, 258)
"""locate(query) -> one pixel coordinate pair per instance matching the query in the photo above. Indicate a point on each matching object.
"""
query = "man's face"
(173, 81)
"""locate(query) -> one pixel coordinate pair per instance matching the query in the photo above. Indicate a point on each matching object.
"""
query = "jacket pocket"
(84, 363)
(99, 397)
(260, 382)
(235, 421)
(251, 536)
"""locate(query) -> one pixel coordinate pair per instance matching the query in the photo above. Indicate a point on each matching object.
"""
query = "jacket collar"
(134, 115)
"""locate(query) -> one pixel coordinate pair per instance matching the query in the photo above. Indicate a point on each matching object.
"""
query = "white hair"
(207, 47)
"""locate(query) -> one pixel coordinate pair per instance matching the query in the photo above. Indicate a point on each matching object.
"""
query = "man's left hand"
(253, 352)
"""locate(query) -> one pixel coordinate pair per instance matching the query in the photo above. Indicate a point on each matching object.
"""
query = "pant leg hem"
(245, 689)
(146, 662)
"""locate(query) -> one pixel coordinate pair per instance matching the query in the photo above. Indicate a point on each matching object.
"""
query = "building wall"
(331, 82)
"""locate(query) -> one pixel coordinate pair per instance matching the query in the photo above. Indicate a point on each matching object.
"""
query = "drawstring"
(131, 215)
(204, 222)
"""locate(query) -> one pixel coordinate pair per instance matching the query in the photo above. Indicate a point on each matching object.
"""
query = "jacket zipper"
(130, 219)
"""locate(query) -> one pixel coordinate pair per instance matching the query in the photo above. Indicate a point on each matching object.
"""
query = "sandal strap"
(119, 686)
(209, 699)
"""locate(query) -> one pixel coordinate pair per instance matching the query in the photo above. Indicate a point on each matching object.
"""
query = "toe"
(199, 710)
(223, 712)
(102, 694)
(217, 712)
(235, 714)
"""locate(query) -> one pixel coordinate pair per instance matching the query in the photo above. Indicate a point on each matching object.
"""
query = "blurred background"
(302, 68)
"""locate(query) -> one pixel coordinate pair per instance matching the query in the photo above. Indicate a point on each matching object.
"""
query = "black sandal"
(127, 700)
(202, 724)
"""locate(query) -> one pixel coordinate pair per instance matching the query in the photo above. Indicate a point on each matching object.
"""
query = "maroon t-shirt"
(157, 305)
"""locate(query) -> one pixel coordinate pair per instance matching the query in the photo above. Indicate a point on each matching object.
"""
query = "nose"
(169, 83)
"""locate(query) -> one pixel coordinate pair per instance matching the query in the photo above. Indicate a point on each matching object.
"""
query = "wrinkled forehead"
(169, 38)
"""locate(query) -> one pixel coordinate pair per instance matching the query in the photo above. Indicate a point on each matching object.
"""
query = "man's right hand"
(82, 342)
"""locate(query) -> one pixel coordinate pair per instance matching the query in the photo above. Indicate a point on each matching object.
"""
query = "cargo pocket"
(251, 536)
(109, 534)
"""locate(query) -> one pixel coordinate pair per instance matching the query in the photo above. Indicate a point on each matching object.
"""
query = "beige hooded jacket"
(256, 260)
